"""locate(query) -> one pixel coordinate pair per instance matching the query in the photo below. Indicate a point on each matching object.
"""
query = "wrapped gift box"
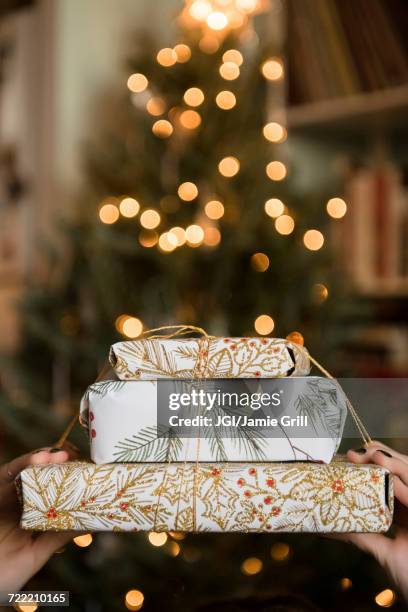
(125, 425)
(258, 497)
(207, 357)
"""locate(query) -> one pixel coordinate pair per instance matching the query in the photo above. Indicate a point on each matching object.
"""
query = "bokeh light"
(193, 96)
(264, 324)
(162, 128)
(234, 56)
(129, 207)
(109, 213)
(155, 106)
(313, 239)
(137, 82)
(166, 57)
(274, 207)
(320, 293)
(260, 262)
(83, 540)
(225, 100)
(385, 599)
(229, 166)
(272, 69)
(168, 242)
(214, 209)
(212, 236)
(157, 539)
(251, 566)
(134, 599)
(336, 208)
(150, 218)
(274, 132)
(280, 551)
(187, 191)
(183, 53)
(284, 225)
(276, 170)
(229, 71)
(132, 327)
(194, 235)
(217, 20)
(190, 119)
(148, 239)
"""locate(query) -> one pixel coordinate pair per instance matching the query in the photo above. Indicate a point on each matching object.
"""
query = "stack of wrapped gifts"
(210, 434)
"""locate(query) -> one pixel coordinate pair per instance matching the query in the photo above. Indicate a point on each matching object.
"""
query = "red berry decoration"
(91, 416)
(93, 433)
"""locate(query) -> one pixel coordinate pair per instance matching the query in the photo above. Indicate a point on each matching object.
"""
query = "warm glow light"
(137, 82)
(162, 128)
(166, 57)
(274, 132)
(217, 20)
(155, 106)
(183, 53)
(132, 327)
(346, 584)
(313, 240)
(190, 119)
(179, 234)
(200, 9)
(209, 43)
(129, 207)
(280, 551)
(272, 69)
(234, 56)
(385, 599)
(229, 166)
(336, 208)
(194, 235)
(247, 5)
(212, 236)
(274, 207)
(148, 238)
(173, 549)
(134, 599)
(193, 96)
(276, 170)
(214, 209)
(229, 71)
(157, 539)
(264, 324)
(83, 540)
(251, 566)
(226, 100)
(260, 262)
(187, 191)
(168, 242)
(320, 292)
(109, 213)
(150, 218)
(284, 225)
(26, 607)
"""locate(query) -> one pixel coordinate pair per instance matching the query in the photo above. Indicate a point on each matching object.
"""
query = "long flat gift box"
(124, 423)
(207, 357)
(223, 497)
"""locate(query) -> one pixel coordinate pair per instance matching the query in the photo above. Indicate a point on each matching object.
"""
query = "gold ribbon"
(183, 330)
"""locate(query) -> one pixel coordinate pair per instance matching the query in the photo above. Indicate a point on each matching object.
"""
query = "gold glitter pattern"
(207, 357)
(256, 497)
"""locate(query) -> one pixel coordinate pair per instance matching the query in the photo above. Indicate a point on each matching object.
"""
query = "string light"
(212, 236)
(148, 239)
(167, 242)
(190, 119)
(296, 338)
(183, 53)
(336, 208)
(276, 170)
(134, 599)
(274, 207)
(229, 71)
(155, 106)
(209, 44)
(217, 20)
(177, 535)
(131, 326)
(194, 235)
(226, 100)
(173, 549)
(260, 262)
(313, 240)
(229, 166)
(187, 191)
(108, 214)
(83, 540)
(32, 607)
(129, 207)
(137, 82)
(234, 56)
(272, 69)
(385, 599)
(264, 324)
(214, 210)
(162, 128)
(166, 57)
(150, 218)
(194, 96)
(274, 132)
(157, 539)
(284, 225)
(251, 566)
(200, 10)
(320, 293)
(345, 584)
(280, 551)
(179, 234)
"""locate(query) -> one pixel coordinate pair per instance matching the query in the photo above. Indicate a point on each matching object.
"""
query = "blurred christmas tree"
(188, 217)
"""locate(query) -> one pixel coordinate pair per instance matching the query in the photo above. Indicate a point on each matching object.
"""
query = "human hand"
(21, 554)
(390, 552)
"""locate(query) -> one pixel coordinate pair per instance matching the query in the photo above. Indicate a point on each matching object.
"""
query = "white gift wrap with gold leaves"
(259, 497)
(208, 357)
(121, 417)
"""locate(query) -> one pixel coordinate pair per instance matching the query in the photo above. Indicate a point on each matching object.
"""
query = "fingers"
(365, 454)
(9, 471)
(48, 543)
